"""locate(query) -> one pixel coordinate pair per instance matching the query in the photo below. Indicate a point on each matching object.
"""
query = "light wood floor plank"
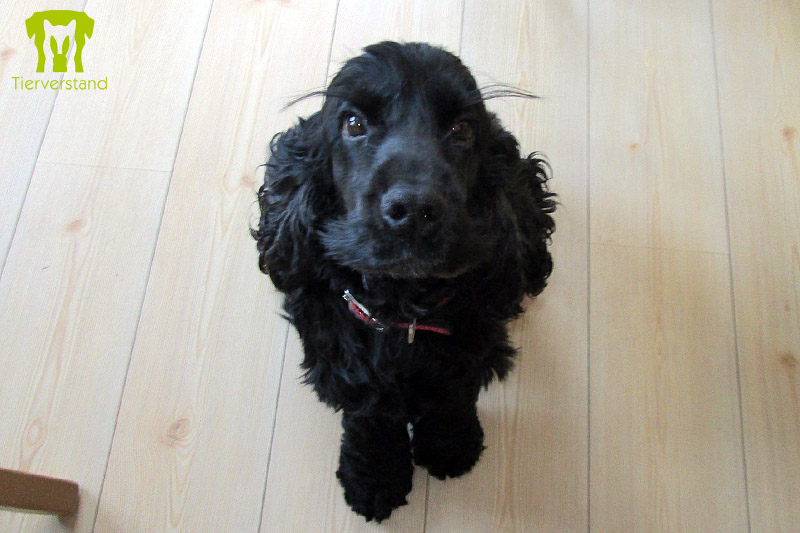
(148, 53)
(758, 52)
(665, 431)
(23, 114)
(193, 437)
(654, 129)
(318, 503)
(665, 436)
(362, 22)
(533, 475)
(69, 301)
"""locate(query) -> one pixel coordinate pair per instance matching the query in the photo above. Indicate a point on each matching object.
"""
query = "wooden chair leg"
(20, 491)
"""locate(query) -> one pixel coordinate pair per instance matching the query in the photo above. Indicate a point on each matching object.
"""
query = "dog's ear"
(296, 194)
(535, 222)
(522, 214)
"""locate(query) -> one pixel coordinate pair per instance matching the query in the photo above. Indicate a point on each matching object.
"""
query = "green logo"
(59, 25)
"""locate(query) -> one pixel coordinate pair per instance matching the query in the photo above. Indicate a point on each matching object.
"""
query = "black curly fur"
(323, 230)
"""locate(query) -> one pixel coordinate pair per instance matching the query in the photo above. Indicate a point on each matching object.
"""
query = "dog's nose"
(405, 208)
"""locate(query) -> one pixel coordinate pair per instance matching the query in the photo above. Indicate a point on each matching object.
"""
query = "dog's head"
(407, 130)
(396, 176)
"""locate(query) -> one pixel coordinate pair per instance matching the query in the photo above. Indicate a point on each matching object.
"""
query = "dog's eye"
(354, 126)
(461, 130)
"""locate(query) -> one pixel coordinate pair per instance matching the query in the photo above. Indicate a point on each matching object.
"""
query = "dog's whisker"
(302, 97)
(501, 90)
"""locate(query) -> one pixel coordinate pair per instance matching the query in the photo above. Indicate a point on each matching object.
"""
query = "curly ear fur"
(522, 214)
(296, 194)
(533, 173)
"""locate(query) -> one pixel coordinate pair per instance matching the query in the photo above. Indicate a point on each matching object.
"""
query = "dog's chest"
(410, 378)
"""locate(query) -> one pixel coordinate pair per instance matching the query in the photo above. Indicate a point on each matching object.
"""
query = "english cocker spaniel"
(404, 228)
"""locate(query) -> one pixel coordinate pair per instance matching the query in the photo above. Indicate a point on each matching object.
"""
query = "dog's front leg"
(448, 440)
(375, 465)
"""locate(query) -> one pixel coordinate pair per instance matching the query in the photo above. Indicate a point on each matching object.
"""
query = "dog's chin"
(411, 269)
(398, 259)
(406, 265)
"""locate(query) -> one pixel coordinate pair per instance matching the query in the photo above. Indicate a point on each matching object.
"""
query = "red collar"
(361, 313)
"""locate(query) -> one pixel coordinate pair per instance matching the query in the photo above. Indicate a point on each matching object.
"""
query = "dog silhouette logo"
(61, 29)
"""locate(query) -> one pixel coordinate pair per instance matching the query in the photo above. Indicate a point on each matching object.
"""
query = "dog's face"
(407, 132)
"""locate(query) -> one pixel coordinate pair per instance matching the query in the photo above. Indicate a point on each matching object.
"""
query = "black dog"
(404, 229)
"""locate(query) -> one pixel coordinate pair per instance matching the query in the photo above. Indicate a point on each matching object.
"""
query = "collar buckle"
(362, 312)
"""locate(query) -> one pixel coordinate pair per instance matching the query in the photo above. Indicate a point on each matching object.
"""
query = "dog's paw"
(448, 447)
(442, 462)
(371, 500)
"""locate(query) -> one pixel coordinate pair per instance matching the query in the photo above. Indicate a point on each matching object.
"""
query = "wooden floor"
(657, 389)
